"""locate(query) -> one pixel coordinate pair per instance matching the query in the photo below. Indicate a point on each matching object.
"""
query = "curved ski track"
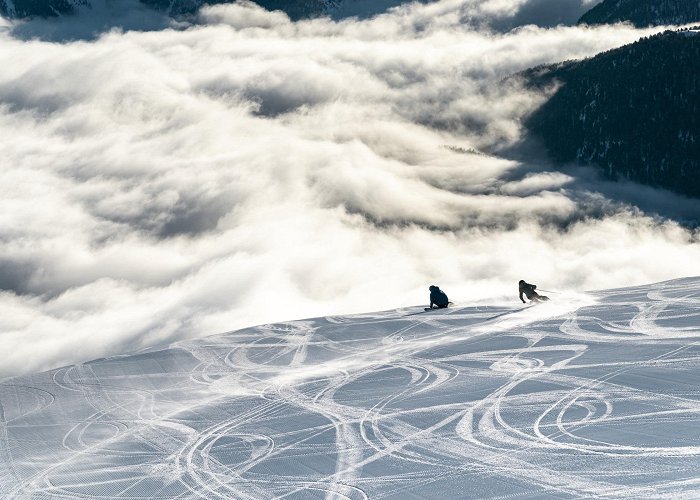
(575, 399)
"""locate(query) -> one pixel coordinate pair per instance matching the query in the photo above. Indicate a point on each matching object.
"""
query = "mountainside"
(586, 396)
(296, 9)
(43, 8)
(177, 7)
(634, 111)
(299, 9)
(643, 13)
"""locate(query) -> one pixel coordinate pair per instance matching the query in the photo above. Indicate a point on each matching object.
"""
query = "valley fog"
(241, 169)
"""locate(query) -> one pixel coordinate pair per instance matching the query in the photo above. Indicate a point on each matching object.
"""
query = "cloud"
(162, 185)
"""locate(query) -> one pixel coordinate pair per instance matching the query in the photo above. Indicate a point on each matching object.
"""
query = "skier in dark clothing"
(438, 297)
(530, 293)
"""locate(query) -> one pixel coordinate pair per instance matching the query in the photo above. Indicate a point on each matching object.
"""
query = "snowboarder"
(530, 293)
(438, 297)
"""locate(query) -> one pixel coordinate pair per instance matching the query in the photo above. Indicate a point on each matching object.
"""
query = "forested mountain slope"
(633, 111)
(643, 12)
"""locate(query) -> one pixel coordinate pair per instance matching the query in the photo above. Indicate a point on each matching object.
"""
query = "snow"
(590, 395)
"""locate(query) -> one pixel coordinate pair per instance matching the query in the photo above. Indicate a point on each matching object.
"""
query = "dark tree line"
(633, 111)
(643, 13)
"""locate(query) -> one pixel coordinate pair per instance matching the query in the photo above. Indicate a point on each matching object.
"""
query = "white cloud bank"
(178, 183)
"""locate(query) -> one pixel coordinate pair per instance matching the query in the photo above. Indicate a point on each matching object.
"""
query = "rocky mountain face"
(643, 13)
(633, 111)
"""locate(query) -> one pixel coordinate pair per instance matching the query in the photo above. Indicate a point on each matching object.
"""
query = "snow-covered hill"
(587, 396)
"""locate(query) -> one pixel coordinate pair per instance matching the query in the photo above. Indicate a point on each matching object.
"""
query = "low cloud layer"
(246, 169)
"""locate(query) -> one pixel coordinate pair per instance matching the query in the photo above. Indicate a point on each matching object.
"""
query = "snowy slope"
(587, 396)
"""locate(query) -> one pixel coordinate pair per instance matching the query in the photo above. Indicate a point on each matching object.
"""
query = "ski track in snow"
(592, 397)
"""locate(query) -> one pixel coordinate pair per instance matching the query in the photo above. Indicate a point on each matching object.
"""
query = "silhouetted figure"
(438, 297)
(530, 293)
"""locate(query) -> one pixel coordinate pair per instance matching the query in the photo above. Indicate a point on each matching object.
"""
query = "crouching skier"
(438, 298)
(530, 293)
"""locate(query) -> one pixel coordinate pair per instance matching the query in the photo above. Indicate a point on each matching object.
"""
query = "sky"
(188, 178)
